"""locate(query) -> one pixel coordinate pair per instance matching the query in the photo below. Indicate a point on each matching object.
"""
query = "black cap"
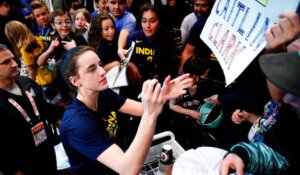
(283, 69)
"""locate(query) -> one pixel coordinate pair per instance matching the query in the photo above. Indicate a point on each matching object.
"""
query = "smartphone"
(66, 38)
(176, 33)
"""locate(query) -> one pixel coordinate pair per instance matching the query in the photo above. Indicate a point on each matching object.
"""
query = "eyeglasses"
(60, 23)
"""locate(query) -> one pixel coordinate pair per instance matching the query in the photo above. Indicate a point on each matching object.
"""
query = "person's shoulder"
(191, 15)
(199, 24)
(128, 16)
(107, 93)
(110, 95)
(74, 109)
(25, 82)
(201, 20)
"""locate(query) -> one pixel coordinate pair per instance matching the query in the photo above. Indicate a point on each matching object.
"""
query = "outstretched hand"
(176, 87)
(213, 99)
(283, 32)
(232, 162)
(152, 97)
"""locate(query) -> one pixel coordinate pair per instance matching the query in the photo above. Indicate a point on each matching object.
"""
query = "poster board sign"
(116, 76)
(235, 31)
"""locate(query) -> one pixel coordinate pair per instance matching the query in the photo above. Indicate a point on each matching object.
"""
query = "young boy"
(186, 106)
(42, 17)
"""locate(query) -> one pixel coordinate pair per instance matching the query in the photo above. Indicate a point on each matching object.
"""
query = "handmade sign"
(235, 31)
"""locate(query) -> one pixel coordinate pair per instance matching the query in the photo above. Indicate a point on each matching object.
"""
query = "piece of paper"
(116, 76)
(235, 31)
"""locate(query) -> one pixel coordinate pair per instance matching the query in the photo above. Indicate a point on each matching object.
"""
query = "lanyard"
(22, 111)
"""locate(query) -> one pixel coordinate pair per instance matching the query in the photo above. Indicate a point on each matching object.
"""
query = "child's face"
(116, 7)
(171, 2)
(5, 9)
(72, 12)
(62, 24)
(80, 22)
(102, 6)
(150, 23)
(42, 17)
(108, 29)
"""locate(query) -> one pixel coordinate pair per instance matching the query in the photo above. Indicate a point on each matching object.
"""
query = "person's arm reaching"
(188, 51)
(254, 158)
(122, 43)
(133, 159)
(171, 89)
(188, 112)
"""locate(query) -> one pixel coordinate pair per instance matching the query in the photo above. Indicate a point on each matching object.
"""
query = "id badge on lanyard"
(38, 131)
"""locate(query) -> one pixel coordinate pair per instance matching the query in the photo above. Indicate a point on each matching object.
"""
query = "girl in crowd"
(30, 48)
(153, 57)
(101, 8)
(103, 39)
(81, 22)
(84, 124)
(154, 54)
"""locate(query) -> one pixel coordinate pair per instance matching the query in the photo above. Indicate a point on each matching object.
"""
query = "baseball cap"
(283, 70)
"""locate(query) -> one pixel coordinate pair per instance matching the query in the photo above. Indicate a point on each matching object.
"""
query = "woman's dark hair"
(161, 28)
(95, 33)
(69, 67)
(150, 7)
(76, 5)
(143, 7)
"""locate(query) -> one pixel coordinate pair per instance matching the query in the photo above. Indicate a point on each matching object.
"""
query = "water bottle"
(166, 160)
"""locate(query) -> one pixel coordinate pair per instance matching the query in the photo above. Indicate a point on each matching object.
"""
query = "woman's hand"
(176, 87)
(152, 98)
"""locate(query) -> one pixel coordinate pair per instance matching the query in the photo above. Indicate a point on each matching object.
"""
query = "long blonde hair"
(20, 36)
